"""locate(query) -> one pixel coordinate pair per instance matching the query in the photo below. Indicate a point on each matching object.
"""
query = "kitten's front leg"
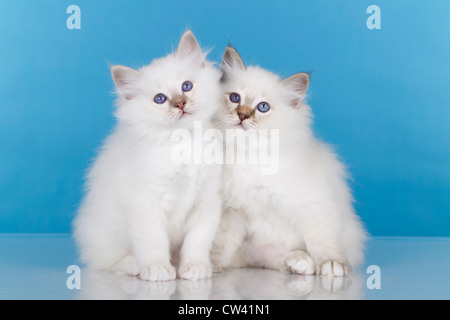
(229, 238)
(322, 241)
(151, 245)
(201, 227)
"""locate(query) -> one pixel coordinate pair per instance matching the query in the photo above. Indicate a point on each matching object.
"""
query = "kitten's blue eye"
(235, 97)
(187, 86)
(160, 98)
(263, 107)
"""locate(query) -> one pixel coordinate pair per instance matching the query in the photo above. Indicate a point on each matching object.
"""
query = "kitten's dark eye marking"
(187, 86)
(235, 97)
(160, 98)
(263, 107)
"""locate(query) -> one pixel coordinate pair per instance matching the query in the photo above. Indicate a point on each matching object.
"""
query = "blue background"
(382, 97)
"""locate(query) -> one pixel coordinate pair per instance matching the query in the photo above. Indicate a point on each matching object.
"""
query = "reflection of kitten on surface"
(301, 217)
(252, 284)
(141, 206)
(98, 285)
(263, 284)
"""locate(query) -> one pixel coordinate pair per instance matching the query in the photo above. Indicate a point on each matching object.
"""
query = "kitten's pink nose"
(243, 116)
(180, 104)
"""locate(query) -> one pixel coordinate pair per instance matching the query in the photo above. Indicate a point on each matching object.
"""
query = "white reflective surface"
(233, 284)
(34, 267)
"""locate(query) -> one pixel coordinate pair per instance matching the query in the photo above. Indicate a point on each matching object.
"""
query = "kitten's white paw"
(158, 272)
(195, 271)
(300, 262)
(332, 268)
(127, 265)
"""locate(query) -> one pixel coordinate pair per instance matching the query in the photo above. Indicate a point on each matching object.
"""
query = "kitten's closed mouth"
(240, 126)
(184, 114)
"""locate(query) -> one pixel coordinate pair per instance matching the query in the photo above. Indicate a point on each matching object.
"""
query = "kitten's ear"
(189, 48)
(125, 79)
(231, 60)
(298, 85)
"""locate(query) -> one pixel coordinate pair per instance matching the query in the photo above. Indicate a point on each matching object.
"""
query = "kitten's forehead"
(255, 83)
(169, 71)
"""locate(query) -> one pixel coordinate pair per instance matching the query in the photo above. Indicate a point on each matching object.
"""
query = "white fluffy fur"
(300, 219)
(143, 214)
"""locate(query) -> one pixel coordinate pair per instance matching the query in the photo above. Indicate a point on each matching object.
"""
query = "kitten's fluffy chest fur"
(277, 208)
(257, 193)
(281, 211)
(177, 185)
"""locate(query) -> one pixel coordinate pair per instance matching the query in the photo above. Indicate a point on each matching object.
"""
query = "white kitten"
(301, 218)
(142, 212)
